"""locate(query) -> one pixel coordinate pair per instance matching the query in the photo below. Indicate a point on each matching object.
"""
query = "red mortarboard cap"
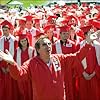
(96, 24)
(37, 20)
(7, 24)
(98, 16)
(22, 36)
(82, 16)
(48, 27)
(75, 6)
(29, 18)
(38, 33)
(64, 28)
(70, 17)
(90, 21)
(97, 7)
(21, 21)
(86, 28)
(80, 33)
(64, 21)
(87, 11)
(84, 4)
(64, 13)
(51, 17)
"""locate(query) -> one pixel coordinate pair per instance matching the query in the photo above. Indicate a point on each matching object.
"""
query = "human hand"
(98, 33)
(91, 37)
(93, 74)
(5, 70)
(86, 76)
(6, 57)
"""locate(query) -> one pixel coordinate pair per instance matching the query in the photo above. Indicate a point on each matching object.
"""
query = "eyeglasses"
(45, 44)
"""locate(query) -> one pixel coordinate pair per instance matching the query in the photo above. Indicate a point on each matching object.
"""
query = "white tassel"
(84, 63)
(58, 47)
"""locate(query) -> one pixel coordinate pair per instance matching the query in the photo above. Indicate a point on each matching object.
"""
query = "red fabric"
(70, 77)
(70, 17)
(28, 18)
(9, 87)
(37, 20)
(51, 17)
(96, 24)
(7, 24)
(19, 30)
(45, 85)
(0, 33)
(38, 34)
(25, 86)
(65, 28)
(86, 28)
(48, 27)
(80, 33)
(98, 76)
(22, 36)
(89, 89)
(29, 35)
(65, 50)
(21, 21)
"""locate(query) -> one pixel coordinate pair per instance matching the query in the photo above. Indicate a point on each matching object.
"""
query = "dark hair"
(20, 46)
(75, 37)
(85, 33)
(35, 6)
(37, 44)
(58, 15)
(5, 26)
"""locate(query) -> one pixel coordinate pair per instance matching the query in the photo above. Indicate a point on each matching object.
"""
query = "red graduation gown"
(71, 80)
(47, 84)
(25, 86)
(88, 89)
(65, 49)
(8, 86)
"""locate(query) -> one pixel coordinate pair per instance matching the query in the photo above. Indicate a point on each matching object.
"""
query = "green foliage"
(26, 3)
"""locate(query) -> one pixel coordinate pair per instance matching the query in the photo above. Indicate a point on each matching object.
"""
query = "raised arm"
(82, 53)
(17, 72)
(74, 60)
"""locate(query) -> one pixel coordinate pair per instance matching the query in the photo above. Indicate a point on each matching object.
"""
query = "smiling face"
(29, 24)
(6, 31)
(64, 36)
(23, 42)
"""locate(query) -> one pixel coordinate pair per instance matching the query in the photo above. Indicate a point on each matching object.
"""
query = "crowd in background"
(67, 27)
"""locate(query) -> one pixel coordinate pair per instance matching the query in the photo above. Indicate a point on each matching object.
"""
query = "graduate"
(24, 52)
(8, 90)
(46, 70)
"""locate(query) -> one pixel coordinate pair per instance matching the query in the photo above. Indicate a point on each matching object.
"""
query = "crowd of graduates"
(66, 27)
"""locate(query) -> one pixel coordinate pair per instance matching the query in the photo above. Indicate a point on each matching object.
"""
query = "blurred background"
(28, 3)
